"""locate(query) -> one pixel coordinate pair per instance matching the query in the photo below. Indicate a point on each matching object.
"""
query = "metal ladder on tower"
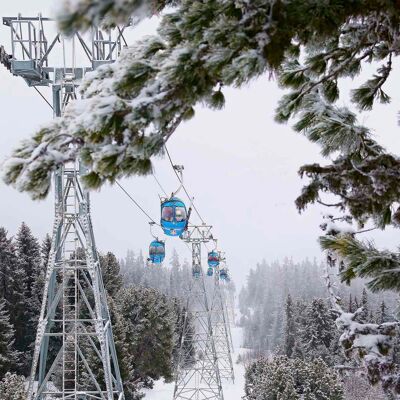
(70, 295)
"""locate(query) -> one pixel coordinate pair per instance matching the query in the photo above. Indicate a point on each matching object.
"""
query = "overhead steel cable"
(191, 199)
(159, 184)
(137, 204)
(44, 98)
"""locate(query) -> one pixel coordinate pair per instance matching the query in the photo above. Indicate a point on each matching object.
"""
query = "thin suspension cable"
(159, 184)
(183, 186)
(188, 247)
(137, 204)
(44, 98)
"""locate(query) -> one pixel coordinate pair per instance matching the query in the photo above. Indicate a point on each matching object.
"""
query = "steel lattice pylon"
(74, 356)
(221, 330)
(197, 374)
(229, 313)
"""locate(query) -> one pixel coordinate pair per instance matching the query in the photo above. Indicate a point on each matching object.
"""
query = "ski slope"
(232, 391)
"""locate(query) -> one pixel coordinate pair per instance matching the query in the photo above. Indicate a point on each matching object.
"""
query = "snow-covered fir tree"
(8, 263)
(290, 328)
(148, 314)
(383, 314)
(9, 357)
(12, 387)
(364, 314)
(110, 269)
(285, 378)
(318, 330)
(25, 311)
(352, 304)
(28, 253)
(40, 277)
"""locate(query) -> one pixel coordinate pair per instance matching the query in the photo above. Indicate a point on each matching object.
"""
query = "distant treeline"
(263, 299)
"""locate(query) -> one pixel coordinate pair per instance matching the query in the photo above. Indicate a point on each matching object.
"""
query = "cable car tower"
(221, 328)
(74, 333)
(197, 374)
(229, 299)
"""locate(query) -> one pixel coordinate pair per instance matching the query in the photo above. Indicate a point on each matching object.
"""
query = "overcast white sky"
(239, 164)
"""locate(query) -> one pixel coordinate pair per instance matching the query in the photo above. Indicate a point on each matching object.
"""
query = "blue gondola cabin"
(196, 271)
(173, 216)
(157, 251)
(223, 274)
(213, 259)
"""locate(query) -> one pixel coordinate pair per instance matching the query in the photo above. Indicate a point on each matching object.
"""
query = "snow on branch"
(74, 15)
(129, 109)
(371, 345)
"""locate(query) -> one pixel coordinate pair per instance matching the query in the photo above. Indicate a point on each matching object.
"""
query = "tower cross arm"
(198, 233)
(7, 20)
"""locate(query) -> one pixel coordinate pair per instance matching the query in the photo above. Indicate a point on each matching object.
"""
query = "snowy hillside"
(232, 391)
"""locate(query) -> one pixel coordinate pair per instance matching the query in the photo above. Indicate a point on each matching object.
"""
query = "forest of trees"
(269, 288)
(288, 323)
(144, 302)
(289, 327)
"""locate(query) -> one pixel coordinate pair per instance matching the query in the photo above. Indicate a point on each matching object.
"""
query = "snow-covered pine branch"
(360, 259)
(370, 344)
(129, 109)
(74, 15)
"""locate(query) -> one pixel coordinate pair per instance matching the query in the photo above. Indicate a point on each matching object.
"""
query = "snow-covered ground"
(232, 391)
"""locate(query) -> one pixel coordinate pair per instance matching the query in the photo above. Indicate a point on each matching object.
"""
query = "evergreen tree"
(363, 315)
(110, 269)
(20, 316)
(290, 328)
(318, 330)
(148, 314)
(289, 379)
(8, 355)
(45, 249)
(382, 314)
(28, 252)
(121, 330)
(12, 387)
(40, 277)
(13, 290)
(24, 313)
(352, 307)
(298, 349)
(8, 263)
(175, 276)
(289, 393)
